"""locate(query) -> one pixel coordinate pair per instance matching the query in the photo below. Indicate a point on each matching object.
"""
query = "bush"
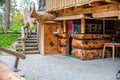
(1, 28)
(7, 39)
(14, 28)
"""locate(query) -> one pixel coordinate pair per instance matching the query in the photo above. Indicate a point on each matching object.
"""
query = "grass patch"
(7, 39)
(71, 55)
(14, 28)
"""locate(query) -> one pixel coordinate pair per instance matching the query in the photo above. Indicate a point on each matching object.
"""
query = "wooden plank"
(66, 3)
(104, 8)
(50, 41)
(113, 1)
(106, 14)
(94, 4)
(22, 56)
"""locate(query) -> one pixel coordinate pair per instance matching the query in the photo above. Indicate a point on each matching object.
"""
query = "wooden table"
(113, 45)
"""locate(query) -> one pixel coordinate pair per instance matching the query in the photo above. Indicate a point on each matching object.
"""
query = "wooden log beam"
(96, 4)
(112, 13)
(83, 25)
(64, 25)
(79, 10)
(113, 1)
(22, 56)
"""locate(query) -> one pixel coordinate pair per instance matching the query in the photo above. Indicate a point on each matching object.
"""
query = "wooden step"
(32, 52)
(27, 48)
(32, 36)
(31, 44)
(34, 33)
(31, 41)
(31, 48)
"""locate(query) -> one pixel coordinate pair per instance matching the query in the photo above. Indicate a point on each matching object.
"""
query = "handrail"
(22, 56)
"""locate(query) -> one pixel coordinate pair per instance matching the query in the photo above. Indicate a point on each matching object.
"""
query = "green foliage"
(15, 28)
(17, 21)
(2, 2)
(7, 39)
(1, 28)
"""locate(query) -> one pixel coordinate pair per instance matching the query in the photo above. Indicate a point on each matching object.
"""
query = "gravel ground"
(59, 67)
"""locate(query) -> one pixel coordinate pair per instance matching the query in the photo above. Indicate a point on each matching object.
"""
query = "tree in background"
(7, 15)
(17, 19)
(26, 4)
(1, 14)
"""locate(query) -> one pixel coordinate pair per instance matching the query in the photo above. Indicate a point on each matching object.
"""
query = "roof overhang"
(73, 17)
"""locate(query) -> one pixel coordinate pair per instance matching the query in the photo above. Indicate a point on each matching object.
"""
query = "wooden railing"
(52, 5)
(16, 54)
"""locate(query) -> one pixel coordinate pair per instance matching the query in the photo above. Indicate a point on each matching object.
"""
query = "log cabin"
(82, 26)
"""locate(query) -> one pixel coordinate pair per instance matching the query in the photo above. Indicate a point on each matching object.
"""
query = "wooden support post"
(27, 32)
(83, 25)
(64, 25)
(15, 69)
(16, 62)
(103, 26)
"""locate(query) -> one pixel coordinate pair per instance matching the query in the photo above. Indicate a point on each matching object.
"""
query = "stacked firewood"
(89, 46)
(89, 54)
(63, 43)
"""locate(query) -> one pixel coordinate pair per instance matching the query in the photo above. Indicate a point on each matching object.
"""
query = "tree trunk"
(7, 15)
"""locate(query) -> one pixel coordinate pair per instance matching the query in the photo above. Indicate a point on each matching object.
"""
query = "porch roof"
(73, 17)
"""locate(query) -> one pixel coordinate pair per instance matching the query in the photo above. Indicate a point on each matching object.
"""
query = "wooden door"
(50, 40)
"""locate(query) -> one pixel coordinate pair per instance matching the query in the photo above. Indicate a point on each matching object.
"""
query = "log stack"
(89, 46)
(63, 43)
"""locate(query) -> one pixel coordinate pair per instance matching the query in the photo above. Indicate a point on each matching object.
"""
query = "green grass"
(71, 55)
(14, 28)
(7, 39)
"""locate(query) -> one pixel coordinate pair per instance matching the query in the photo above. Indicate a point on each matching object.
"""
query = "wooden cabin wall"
(63, 43)
(50, 40)
(89, 46)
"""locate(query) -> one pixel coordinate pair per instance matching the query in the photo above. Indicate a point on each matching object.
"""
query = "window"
(76, 29)
(93, 28)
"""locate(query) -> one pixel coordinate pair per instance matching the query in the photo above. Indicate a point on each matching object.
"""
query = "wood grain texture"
(50, 40)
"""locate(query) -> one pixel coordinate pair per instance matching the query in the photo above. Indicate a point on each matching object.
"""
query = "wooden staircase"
(29, 45)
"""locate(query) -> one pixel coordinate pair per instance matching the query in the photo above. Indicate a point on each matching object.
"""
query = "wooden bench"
(7, 74)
